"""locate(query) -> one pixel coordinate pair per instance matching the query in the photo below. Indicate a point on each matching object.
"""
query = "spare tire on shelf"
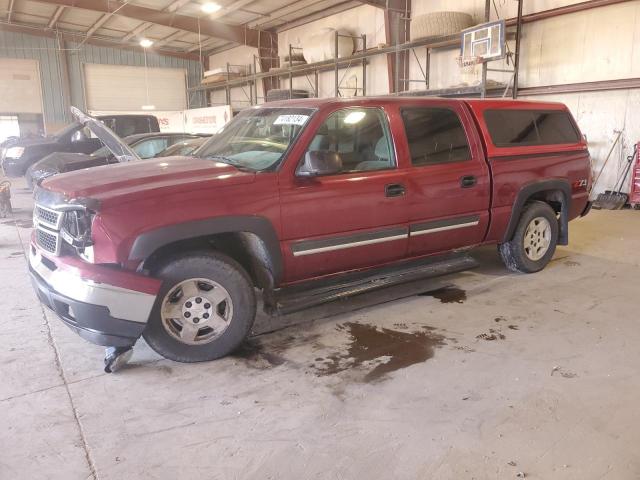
(284, 94)
(439, 24)
(322, 46)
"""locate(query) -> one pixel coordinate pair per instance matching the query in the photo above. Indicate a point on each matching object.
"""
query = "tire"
(530, 250)
(224, 323)
(439, 24)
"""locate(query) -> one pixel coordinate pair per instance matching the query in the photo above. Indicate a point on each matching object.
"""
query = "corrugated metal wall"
(116, 56)
(42, 49)
(46, 51)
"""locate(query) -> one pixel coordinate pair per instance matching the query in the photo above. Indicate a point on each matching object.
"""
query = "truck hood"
(32, 142)
(59, 162)
(131, 181)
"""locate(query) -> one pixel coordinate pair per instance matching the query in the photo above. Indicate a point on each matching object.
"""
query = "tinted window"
(435, 135)
(124, 126)
(530, 127)
(360, 136)
(151, 147)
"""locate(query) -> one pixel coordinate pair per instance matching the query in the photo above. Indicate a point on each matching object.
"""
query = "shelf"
(328, 65)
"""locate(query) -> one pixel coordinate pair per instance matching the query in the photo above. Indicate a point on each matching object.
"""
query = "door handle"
(394, 190)
(468, 181)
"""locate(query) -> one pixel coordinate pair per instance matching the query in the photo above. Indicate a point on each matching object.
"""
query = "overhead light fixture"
(146, 43)
(354, 117)
(148, 107)
(210, 7)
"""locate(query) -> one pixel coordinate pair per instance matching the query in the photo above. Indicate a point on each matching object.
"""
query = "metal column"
(516, 62)
(483, 86)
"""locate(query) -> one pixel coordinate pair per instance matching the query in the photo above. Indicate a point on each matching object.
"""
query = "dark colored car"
(307, 201)
(145, 145)
(74, 138)
(183, 148)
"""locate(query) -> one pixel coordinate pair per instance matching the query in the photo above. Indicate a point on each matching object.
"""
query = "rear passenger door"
(448, 185)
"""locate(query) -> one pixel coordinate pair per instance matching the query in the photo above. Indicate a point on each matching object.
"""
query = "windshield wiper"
(230, 161)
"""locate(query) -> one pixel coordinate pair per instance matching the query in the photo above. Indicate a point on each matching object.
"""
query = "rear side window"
(512, 128)
(435, 135)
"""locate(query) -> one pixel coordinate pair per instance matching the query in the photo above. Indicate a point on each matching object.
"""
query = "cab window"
(435, 135)
(361, 138)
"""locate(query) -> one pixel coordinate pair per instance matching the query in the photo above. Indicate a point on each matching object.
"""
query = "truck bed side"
(558, 173)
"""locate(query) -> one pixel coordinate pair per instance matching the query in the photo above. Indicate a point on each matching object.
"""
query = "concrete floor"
(491, 375)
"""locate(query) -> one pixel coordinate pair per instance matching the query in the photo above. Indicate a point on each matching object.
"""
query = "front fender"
(149, 242)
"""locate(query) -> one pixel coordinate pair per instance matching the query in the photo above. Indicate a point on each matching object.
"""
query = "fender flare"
(531, 189)
(148, 242)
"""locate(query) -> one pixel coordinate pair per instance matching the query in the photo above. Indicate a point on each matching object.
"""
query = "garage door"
(20, 86)
(117, 87)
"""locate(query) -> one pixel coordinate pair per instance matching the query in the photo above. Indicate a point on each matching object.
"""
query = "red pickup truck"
(305, 201)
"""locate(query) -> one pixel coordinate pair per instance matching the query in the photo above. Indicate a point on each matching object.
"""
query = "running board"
(302, 296)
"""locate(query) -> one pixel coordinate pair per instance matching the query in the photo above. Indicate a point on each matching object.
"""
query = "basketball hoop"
(468, 64)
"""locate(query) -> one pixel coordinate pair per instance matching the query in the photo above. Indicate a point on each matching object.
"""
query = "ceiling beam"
(210, 28)
(136, 31)
(38, 31)
(203, 45)
(397, 5)
(55, 17)
(334, 10)
(10, 10)
(101, 21)
(170, 38)
(237, 5)
(146, 25)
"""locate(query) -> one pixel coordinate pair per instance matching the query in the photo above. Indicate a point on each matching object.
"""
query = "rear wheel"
(205, 308)
(534, 241)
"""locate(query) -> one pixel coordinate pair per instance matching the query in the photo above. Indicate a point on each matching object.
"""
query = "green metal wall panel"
(46, 51)
(42, 49)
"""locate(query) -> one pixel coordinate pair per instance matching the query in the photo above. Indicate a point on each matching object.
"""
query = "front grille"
(48, 217)
(48, 241)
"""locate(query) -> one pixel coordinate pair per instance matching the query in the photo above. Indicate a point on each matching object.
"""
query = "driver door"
(356, 218)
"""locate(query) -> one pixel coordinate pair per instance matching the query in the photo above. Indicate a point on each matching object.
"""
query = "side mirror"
(320, 162)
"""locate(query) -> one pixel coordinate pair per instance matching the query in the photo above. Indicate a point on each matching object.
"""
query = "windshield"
(106, 152)
(256, 138)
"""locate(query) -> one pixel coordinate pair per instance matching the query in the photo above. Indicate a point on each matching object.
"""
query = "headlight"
(14, 152)
(76, 231)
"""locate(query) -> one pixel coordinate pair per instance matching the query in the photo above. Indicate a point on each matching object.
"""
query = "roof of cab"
(479, 104)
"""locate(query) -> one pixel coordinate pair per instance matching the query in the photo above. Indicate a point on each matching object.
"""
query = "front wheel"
(534, 241)
(205, 308)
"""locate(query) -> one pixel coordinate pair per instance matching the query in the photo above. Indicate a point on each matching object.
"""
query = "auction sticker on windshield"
(291, 120)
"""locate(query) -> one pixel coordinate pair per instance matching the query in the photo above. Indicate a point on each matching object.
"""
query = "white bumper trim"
(122, 303)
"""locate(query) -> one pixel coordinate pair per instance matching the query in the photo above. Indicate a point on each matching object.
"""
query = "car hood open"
(60, 162)
(132, 181)
(115, 144)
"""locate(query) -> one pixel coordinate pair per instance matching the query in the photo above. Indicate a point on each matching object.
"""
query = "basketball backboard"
(484, 42)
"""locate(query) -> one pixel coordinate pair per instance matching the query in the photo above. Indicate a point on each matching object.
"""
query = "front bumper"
(108, 314)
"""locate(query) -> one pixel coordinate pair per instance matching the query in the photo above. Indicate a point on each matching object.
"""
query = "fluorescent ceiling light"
(354, 117)
(146, 43)
(148, 107)
(210, 7)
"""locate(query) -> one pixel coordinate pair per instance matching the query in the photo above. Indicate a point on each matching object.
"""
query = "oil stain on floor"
(380, 349)
(448, 294)
(256, 356)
